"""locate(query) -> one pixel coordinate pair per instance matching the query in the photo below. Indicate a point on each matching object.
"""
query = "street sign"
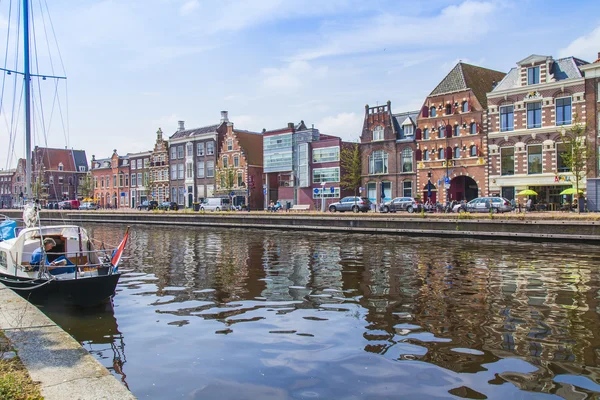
(332, 189)
(264, 185)
(316, 190)
(264, 191)
(447, 185)
(361, 189)
(447, 180)
(232, 194)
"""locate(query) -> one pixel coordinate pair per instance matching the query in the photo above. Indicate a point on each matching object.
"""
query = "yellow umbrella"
(527, 192)
(570, 190)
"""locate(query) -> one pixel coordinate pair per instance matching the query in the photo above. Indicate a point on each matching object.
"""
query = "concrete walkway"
(64, 369)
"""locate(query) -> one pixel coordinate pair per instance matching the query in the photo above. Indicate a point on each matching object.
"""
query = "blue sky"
(136, 65)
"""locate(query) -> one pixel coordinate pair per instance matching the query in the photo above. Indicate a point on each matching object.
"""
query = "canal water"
(249, 314)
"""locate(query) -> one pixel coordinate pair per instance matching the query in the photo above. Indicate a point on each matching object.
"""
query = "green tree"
(86, 189)
(577, 153)
(351, 163)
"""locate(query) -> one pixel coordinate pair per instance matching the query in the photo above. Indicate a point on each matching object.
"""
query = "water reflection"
(255, 314)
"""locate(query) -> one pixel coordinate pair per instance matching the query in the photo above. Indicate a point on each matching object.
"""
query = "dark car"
(351, 203)
(168, 205)
(148, 205)
(401, 204)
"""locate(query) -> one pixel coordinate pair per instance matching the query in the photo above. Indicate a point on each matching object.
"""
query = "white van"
(215, 204)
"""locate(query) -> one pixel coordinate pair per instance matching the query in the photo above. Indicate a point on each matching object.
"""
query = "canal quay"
(211, 312)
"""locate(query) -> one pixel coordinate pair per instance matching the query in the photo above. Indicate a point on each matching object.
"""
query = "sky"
(133, 66)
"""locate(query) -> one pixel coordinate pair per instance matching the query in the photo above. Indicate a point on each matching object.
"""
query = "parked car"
(65, 205)
(483, 204)
(401, 204)
(215, 204)
(88, 205)
(351, 203)
(168, 205)
(148, 205)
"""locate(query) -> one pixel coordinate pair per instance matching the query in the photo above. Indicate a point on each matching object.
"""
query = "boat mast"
(27, 81)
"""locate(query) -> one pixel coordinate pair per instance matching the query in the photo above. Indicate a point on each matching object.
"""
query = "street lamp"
(429, 184)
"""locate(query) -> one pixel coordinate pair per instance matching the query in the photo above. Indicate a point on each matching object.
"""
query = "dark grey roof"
(194, 132)
(399, 118)
(80, 159)
(511, 80)
(453, 82)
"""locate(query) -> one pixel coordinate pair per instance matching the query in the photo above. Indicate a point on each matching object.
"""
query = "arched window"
(448, 109)
(407, 160)
(378, 133)
(465, 106)
(432, 112)
(456, 130)
(473, 128)
(378, 162)
(473, 151)
(441, 154)
(457, 152)
(425, 155)
(425, 134)
(225, 161)
(442, 132)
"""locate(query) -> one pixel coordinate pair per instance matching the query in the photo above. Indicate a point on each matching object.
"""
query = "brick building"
(18, 182)
(452, 146)
(111, 181)
(58, 174)
(527, 113)
(193, 156)
(242, 153)
(592, 111)
(387, 147)
(6, 188)
(139, 180)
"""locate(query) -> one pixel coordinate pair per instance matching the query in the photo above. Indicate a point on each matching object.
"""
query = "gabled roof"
(532, 59)
(399, 119)
(252, 144)
(298, 127)
(80, 159)
(464, 77)
(194, 132)
(51, 158)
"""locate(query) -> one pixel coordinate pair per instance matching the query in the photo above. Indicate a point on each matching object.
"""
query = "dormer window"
(61, 167)
(533, 75)
(378, 133)
(408, 130)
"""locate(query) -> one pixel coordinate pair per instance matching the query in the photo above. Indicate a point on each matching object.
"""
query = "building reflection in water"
(465, 306)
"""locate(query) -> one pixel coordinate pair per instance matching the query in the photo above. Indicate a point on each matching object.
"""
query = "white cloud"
(454, 25)
(348, 126)
(584, 47)
(292, 76)
(188, 7)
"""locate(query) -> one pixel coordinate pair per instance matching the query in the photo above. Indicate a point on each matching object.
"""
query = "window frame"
(378, 133)
(407, 155)
(529, 155)
(534, 76)
(570, 116)
(509, 124)
(502, 161)
(535, 124)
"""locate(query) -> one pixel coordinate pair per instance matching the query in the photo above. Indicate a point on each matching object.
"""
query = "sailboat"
(52, 262)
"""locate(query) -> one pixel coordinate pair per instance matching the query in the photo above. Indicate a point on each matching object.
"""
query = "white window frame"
(378, 133)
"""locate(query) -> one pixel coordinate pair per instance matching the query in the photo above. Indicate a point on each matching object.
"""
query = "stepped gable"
(466, 76)
(252, 144)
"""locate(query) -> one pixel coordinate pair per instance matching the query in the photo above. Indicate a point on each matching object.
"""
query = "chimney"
(224, 117)
(181, 126)
(290, 125)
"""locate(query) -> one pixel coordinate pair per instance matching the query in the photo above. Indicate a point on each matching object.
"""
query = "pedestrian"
(513, 204)
(528, 205)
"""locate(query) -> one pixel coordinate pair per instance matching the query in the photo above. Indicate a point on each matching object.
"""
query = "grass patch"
(15, 382)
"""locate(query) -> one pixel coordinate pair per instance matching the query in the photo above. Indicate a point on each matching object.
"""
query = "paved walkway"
(64, 369)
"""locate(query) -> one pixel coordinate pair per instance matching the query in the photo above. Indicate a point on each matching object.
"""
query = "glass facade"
(507, 161)
(326, 175)
(278, 153)
(326, 154)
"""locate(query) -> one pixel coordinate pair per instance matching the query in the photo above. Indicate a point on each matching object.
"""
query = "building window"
(441, 154)
(407, 188)
(326, 175)
(432, 111)
(51, 180)
(507, 118)
(561, 150)
(378, 133)
(174, 153)
(200, 149)
(229, 145)
(409, 130)
(61, 167)
(210, 169)
(173, 172)
(425, 155)
(200, 169)
(442, 132)
(457, 130)
(425, 133)
(210, 148)
(139, 179)
(473, 128)
(225, 161)
(533, 75)
(133, 180)
(465, 106)
(473, 151)
(139, 164)
(507, 161)
(378, 162)
(448, 109)
(534, 115)
(236, 161)
(407, 160)
(180, 152)
(534, 159)
(190, 149)
(179, 171)
(240, 178)
(326, 154)
(121, 181)
(189, 173)
(563, 111)
(114, 180)
(457, 152)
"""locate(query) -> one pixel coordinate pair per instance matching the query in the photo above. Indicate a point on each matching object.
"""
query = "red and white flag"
(116, 258)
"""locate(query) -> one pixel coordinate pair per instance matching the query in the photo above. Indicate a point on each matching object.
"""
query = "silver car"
(484, 204)
(351, 203)
(401, 204)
